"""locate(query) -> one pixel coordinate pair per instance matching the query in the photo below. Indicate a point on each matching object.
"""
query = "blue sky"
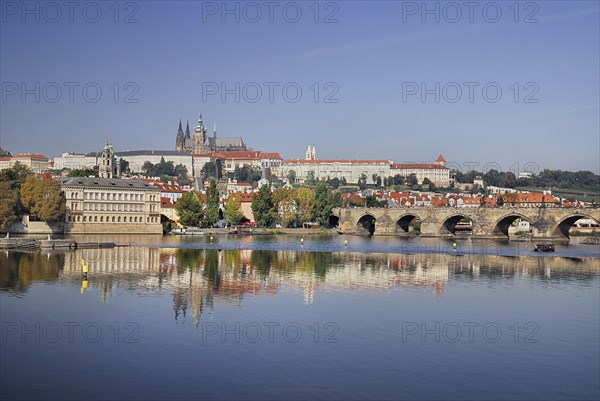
(375, 61)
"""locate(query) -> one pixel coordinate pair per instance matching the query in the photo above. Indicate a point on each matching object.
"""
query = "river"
(290, 317)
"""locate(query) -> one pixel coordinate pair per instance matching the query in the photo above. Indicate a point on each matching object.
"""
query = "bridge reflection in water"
(201, 278)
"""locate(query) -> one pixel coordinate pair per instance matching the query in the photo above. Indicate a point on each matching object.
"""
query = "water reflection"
(200, 278)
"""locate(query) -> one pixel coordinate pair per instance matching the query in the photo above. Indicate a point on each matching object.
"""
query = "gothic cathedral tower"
(180, 140)
(200, 138)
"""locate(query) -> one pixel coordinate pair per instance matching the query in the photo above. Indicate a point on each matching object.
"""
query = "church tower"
(106, 168)
(188, 146)
(180, 139)
(200, 139)
(440, 161)
(313, 154)
(308, 153)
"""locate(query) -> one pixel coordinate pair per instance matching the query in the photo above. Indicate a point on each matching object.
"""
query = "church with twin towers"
(200, 142)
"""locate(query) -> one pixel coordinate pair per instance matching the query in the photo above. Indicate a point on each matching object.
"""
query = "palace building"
(109, 205)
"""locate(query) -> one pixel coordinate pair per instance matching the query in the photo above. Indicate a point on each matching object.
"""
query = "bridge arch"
(565, 223)
(333, 221)
(449, 225)
(502, 225)
(366, 223)
(409, 223)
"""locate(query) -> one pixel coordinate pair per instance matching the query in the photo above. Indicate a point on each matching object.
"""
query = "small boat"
(188, 231)
(544, 248)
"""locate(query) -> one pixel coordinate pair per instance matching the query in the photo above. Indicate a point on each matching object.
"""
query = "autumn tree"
(285, 203)
(9, 206)
(190, 209)
(305, 199)
(43, 199)
(233, 210)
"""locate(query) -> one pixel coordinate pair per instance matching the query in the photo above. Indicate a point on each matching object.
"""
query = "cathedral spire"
(215, 130)
(180, 129)
(187, 130)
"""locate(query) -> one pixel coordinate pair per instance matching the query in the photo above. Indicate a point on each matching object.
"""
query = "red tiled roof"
(535, 197)
(440, 158)
(270, 155)
(242, 154)
(427, 166)
(244, 196)
(164, 187)
(31, 155)
(325, 161)
(166, 202)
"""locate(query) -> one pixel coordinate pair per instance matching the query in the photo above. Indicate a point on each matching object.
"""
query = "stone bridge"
(546, 222)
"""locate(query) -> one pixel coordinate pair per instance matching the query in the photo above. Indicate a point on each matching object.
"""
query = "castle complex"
(202, 143)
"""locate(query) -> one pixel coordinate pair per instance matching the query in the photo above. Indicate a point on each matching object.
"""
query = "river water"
(286, 317)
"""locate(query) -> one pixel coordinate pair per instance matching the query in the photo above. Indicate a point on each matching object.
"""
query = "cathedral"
(202, 143)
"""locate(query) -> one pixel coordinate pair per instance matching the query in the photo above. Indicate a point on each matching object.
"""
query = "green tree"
(233, 210)
(124, 166)
(412, 180)
(209, 170)
(373, 201)
(291, 176)
(190, 209)
(362, 182)
(325, 201)
(85, 172)
(263, 207)
(15, 175)
(211, 212)
(334, 183)
(397, 180)
(500, 201)
(310, 178)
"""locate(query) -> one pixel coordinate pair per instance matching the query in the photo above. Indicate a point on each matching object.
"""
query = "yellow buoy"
(84, 286)
(345, 242)
(84, 267)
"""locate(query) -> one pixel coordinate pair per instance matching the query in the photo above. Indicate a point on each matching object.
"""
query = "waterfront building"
(111, 206)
